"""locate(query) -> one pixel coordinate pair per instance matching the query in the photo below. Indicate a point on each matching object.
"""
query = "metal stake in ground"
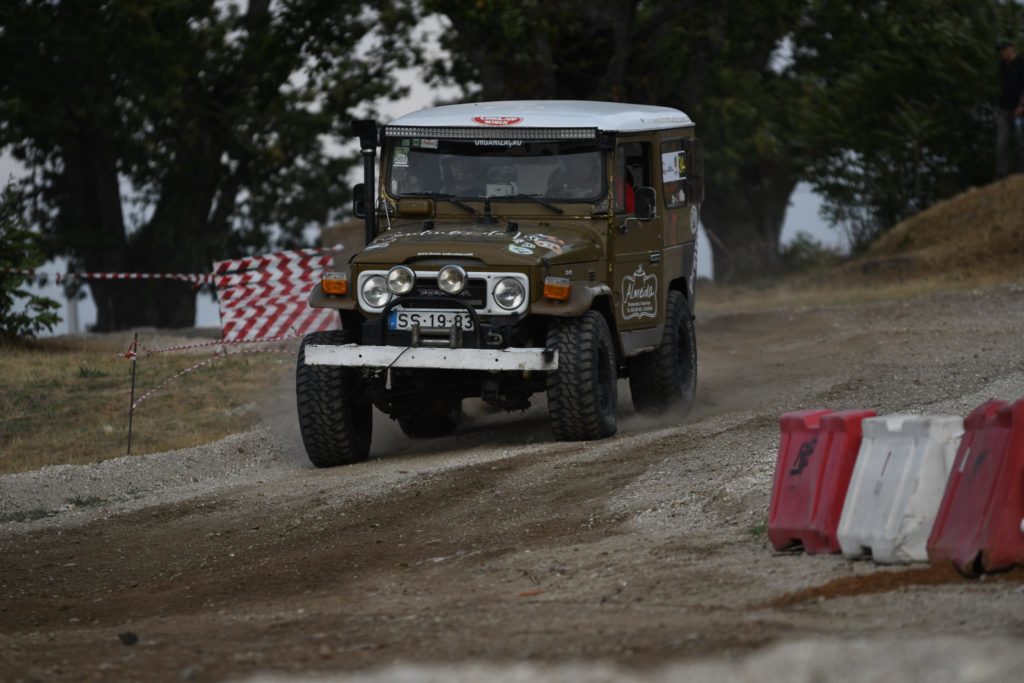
(134, 352)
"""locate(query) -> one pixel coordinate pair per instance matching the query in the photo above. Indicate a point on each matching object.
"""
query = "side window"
(632, 170)
(680, 172)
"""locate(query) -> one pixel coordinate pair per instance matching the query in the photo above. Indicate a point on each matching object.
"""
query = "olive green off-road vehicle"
(512, 248)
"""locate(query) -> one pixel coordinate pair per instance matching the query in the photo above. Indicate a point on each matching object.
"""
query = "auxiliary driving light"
(509, 293)
(375, 291)
(452, 279)
(401, 280)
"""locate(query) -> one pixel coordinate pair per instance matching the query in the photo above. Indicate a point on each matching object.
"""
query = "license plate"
(404, 320)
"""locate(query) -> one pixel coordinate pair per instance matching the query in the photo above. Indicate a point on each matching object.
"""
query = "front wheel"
(582, 393)
(335, 412)
(666, 378)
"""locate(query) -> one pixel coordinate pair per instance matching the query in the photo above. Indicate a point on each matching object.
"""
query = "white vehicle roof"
(604, 116)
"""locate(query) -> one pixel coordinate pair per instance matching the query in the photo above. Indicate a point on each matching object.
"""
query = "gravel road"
(499, 554)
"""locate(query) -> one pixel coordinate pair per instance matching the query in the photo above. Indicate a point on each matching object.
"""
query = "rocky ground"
(499, 554)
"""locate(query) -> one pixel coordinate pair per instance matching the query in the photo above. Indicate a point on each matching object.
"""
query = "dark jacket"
(1011, 83)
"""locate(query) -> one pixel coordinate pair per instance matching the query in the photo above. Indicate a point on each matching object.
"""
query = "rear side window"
(675, 171)
(681, 174)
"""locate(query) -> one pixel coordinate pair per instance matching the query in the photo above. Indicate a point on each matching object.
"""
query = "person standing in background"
(1010, 107)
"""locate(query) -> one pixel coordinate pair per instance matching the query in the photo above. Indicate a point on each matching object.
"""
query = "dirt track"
(498, 545)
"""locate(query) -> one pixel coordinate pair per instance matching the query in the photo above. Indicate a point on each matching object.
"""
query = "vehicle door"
(637, 279)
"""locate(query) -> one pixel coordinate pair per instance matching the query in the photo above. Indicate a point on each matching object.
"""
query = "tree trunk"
(744, 231)
(93, 224)
(126, 304)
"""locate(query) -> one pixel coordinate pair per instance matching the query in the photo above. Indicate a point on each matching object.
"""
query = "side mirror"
(359, 200)
(646, 201)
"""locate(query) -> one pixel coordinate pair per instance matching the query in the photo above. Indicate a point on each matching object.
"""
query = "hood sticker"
(379, 244)
(523, 244)
(497, 120)
(639, 295)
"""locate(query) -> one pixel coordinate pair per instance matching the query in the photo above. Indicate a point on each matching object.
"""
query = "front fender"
(581, 298)
(319, 299)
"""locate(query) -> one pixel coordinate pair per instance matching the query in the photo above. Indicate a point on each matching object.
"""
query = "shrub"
(22, 313)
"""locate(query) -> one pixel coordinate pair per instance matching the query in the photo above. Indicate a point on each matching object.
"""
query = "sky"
(802, 216)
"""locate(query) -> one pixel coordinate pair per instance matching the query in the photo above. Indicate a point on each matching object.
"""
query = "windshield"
(477, 169)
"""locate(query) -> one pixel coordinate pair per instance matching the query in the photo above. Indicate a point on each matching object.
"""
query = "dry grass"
(65, 400)
(973, 240)
(835, 289)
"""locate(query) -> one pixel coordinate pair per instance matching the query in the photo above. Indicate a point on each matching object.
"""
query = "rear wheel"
(439, 418)
(582, 393)
(666, 378)
(335, 412)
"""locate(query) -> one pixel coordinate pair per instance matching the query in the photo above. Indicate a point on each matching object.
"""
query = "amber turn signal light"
(557, 288)
(334, 283)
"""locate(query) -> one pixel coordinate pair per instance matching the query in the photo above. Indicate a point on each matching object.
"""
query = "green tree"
(209, 123)
(22, 313)
(898, 118)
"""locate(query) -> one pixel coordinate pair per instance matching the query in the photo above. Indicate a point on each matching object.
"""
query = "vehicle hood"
(492, 244)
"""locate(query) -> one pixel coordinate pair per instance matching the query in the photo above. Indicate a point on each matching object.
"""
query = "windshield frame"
(598, 177)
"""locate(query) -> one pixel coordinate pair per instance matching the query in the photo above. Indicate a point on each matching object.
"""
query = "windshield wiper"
(534, 198)
(447, 197)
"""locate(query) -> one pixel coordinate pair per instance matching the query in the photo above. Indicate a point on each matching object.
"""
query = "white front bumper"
(354, 355)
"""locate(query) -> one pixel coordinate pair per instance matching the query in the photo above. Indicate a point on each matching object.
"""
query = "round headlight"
(451, 279)
(509, 294)
(375, 291)
(401, 280)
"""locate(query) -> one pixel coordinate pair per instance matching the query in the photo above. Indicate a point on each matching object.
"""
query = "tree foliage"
(879, 105)
(163, 134)
(22, 313)
(899, 117)
(210, 122)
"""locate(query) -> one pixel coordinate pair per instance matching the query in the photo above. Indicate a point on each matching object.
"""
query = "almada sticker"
(639, 295)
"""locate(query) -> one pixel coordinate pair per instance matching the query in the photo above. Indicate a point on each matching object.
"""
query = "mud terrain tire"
(431, 421)
(335, 413)
(666, 378)
(582, 393)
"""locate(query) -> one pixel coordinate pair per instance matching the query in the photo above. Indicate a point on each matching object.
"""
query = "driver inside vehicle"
(577, 176)
(462, 177)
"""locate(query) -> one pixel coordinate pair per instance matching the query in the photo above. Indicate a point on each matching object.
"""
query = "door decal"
(639, 295)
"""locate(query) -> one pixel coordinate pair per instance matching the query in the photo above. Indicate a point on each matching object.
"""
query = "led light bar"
(511, 133)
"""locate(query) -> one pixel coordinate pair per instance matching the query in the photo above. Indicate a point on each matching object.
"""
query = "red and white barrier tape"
(259, 297)
(194, 278)
(216, 342)
(280, 266)
(193, 368)
(304, 259)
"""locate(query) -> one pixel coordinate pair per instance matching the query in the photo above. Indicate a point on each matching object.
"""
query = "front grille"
(475, 293)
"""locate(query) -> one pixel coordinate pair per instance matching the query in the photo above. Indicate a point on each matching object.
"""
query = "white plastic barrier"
(897, 486)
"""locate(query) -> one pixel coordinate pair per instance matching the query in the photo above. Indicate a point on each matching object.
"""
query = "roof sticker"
(497, 120)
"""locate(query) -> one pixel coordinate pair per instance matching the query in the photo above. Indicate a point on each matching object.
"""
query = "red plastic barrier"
(979, 525)
(816, 458)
